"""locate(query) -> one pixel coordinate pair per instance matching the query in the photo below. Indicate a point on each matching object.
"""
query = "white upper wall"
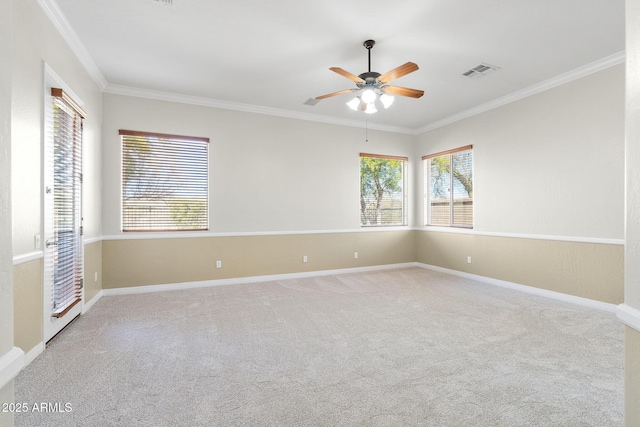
(35, 41)
(632, 220)
(550, 164)
(6, 264)
(267, 173)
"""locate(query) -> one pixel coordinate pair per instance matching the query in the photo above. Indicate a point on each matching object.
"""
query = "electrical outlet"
(218, 264)
(304, 258)
(355, 255)
(36, 241)
(468, 260)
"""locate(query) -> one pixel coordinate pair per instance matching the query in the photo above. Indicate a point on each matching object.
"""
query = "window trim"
(405, 184)
(452, 151)
(124, 132)
(59, 93)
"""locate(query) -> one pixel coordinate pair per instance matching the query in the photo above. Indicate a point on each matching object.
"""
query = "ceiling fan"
(372, 85)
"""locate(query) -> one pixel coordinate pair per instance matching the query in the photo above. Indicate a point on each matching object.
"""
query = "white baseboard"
(33, 353)
(528, 289)
(251, 279)
(86, 306)
(11, 363)
(629, 316)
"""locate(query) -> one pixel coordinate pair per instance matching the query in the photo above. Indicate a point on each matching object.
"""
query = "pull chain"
(366, 128)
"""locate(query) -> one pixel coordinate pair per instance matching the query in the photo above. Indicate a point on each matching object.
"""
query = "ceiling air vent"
(165, 2)
(480, 70)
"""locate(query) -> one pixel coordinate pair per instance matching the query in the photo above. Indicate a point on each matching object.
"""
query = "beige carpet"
(404, 347)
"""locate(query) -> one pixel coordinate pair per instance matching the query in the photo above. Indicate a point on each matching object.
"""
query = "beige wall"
(6, 395)
(632, 377)
(142, 262)
(92, 270)
(28, 304)
(587, 270)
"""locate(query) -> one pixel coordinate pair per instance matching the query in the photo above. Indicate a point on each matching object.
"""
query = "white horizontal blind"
(383, 183)
(67, 216)
(448, 183)
(164, 182)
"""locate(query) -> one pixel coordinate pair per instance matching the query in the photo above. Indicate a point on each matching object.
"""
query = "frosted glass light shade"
(386, 100)
(368, 96)
(354, 103)
(371, 108)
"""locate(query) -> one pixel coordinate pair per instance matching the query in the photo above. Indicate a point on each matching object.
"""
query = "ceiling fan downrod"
(370, 76)
(368, 44)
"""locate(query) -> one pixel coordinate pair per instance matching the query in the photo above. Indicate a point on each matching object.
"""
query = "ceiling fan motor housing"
(370, 78)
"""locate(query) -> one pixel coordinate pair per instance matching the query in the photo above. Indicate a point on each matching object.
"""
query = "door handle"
(51, 243)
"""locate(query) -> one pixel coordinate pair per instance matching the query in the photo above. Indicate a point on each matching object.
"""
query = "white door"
(63, 245)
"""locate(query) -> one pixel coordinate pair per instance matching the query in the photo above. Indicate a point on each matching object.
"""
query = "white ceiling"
(277, 53)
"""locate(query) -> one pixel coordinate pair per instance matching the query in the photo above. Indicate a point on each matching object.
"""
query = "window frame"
(405, 192)
(426, 168)
(157, 225)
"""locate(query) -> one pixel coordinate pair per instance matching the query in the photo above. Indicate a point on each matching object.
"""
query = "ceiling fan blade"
(403, 91)
(347, 74)
(398, 72)
(329, 95)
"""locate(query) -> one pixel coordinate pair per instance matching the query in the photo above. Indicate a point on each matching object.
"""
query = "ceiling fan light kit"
(373, 86)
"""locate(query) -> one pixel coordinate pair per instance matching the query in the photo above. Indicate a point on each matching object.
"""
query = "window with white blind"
(448, 184)
(383, 184)
(164, 182)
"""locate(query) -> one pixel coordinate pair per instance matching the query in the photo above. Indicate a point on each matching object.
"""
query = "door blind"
(67, 216)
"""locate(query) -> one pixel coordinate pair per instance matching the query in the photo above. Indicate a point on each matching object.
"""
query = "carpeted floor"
(408, 347)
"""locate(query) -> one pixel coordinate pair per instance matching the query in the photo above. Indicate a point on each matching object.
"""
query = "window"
(448, 183)
(383, 199)
(164, 182)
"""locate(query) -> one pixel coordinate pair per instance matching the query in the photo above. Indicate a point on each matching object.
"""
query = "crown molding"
(59, 21)
(236, 106)
(585, 70)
